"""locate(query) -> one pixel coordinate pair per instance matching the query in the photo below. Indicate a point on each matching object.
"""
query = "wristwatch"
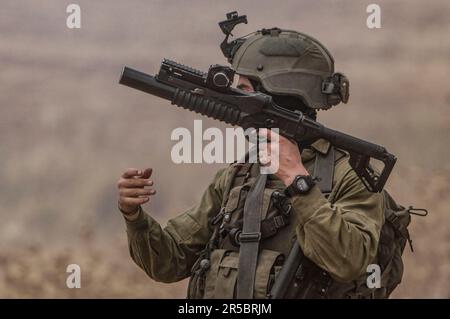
(302, 184)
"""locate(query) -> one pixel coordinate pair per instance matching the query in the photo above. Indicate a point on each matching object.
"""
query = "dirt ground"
(67, 129)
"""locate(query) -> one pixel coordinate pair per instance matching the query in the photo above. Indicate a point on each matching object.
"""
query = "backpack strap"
(238, 176)
(400, 227)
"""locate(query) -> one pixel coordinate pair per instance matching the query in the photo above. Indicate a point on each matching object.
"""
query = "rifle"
(211, 94)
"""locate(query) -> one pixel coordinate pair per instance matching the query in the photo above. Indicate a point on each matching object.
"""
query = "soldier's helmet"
(290, 63)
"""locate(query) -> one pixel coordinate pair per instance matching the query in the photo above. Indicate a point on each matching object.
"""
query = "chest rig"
(256, 224)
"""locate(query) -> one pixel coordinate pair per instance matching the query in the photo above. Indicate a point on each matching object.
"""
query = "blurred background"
(68, 130)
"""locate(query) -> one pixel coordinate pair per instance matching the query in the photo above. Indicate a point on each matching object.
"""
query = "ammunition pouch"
(220, 278)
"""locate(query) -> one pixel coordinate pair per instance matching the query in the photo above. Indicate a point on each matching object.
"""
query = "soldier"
(233, 243)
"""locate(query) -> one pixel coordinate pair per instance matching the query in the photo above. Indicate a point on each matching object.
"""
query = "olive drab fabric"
(338, 232)
(292, 63)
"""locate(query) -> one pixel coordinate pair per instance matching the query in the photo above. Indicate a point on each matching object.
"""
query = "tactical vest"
(214, 275)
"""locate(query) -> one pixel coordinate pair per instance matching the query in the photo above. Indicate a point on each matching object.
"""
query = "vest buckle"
(249, 237)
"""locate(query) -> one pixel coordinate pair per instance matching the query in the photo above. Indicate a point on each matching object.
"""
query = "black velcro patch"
(276, 46)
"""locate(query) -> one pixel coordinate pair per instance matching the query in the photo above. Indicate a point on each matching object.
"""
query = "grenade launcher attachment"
(211, 94)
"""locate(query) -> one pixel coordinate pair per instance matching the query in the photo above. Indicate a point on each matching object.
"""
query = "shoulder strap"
(238, 176)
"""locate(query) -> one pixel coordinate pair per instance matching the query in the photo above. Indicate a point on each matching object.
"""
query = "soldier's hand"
(286, 154)
(134, 189)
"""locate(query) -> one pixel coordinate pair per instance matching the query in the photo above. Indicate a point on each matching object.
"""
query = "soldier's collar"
(321, 145)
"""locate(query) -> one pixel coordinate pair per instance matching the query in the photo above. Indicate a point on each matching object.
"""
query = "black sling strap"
(249, 239)
(324, 170)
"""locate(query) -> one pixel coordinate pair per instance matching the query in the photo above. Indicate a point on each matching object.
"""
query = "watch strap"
(293, 190)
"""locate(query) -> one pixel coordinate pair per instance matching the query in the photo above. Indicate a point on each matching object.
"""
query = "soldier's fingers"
(264, 160)
(131, 172)
(133, 183)
(131, 201)
(136, 192)
(264, 150)
(147, 173)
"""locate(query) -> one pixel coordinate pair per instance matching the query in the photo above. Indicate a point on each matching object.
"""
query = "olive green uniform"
(340, 237)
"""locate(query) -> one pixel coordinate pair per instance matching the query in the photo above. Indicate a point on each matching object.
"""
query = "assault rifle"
(211, 94)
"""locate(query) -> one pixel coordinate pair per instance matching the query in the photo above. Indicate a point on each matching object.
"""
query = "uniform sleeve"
(168, 254)
(341, 238)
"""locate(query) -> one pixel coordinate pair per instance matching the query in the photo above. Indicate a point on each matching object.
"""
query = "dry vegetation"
(68, 129)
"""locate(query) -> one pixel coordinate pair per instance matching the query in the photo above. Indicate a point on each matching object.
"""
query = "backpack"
(393, 238)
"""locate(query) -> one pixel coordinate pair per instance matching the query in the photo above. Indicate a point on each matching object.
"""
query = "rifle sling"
(249, 239)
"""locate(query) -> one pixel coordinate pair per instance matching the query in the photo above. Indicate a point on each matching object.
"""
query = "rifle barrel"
(146, 83)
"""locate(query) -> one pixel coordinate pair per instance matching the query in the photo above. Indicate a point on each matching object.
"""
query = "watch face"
(302, 185)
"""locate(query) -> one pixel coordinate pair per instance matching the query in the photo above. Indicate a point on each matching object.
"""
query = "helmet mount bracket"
(233, 19)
